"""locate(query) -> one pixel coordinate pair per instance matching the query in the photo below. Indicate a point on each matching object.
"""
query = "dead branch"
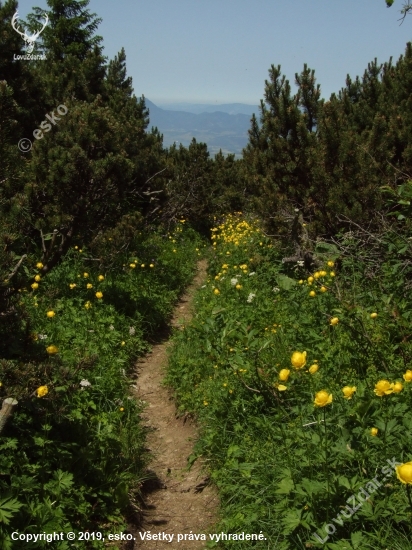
(17, 266)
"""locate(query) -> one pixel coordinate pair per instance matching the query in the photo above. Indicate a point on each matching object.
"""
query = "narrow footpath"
(177, 501)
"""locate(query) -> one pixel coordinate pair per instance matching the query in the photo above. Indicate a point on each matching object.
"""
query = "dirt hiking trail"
(176, 501)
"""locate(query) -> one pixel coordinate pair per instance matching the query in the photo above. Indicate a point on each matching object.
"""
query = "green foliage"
(72, 456)
(198, 187)
(283, 465)
(330, 158)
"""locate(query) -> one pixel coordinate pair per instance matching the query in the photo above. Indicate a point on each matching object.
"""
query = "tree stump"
(7, 410)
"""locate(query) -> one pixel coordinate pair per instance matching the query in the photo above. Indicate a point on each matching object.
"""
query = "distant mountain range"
(229, 108)
(222, 127)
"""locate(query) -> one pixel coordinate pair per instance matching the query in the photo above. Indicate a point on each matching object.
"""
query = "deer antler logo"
(29, 40)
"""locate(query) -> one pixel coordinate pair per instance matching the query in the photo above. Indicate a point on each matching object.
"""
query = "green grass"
(282, 465)
(72, 459)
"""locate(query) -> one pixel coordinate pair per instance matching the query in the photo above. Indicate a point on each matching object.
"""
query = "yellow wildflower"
(88, 305)
(404, 473)
(101, 277)
(89, 285)
(284, 375)
(51, 350)
(39, 265)
(314, 368)
(374, 431)
(383, 387)
(397, 387)
(312, 293)
(323, 398)
(132, 266)
(50, 314)
(298, 359)
(408, 376)
(334, 321)
(281, 387)
(85, 275)
(374, 315)
(37, 278)
(35, 286)
(348, 391)
(323, 289)
(99, 295)
(216, 291)
(42, 391)
(72, 285)
(331, 264)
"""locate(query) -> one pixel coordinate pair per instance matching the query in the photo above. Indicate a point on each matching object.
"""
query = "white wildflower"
(300, 263)
(250, 297)
(85, 383)
(42, 336)
(276, 289)
(204, 286)
(252, 273)
(111, 327)
(233, 281)
(132, 330)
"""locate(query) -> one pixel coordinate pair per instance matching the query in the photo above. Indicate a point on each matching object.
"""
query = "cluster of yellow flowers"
(384, 387)
(319, 275)
(298, 361)
(37, 278)
(224, 269)
(323, 398)
(234, 231)
(89, 286)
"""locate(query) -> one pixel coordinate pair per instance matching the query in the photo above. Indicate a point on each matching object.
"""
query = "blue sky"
(220, 51)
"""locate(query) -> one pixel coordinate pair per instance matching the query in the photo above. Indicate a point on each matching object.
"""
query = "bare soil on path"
(176, 501)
